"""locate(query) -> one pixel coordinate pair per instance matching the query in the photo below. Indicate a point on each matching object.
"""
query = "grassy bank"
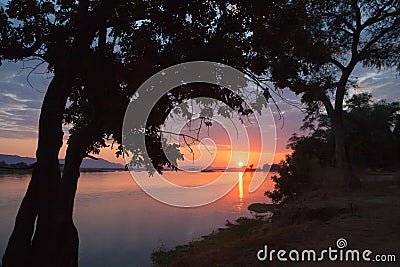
(368, 219)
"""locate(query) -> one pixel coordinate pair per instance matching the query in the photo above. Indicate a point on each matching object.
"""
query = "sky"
(21, 98)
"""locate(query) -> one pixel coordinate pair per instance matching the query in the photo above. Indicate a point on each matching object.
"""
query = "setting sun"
(241, 164)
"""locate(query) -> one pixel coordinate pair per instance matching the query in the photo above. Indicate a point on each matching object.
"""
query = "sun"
(241, 164)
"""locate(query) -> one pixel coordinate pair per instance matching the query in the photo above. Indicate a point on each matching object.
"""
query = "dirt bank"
(368, 219)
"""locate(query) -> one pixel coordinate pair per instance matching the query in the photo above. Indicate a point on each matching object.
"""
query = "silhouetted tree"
(99, 53)
(61, 33)
(371, 141)
(332, 38)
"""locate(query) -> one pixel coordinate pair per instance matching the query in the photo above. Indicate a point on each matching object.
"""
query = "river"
(120, 225)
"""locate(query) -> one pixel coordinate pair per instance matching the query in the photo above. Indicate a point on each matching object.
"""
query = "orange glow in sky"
(27, 148)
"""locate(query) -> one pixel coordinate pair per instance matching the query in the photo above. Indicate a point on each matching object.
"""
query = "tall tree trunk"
(46, 177)
(342, 161)
(30, 245)
(49, 199)
(335, 114)
(37, 247)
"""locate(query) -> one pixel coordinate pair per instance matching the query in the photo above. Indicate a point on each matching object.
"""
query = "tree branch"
(340, 18)
(22, 52)
(358, 13)
(379, 36)
(184, 136)
(345, 31)
(337, 64)
(376, 19)
(327, 103)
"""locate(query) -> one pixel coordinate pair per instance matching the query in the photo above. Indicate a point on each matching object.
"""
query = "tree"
(371, 141)
(99, 53)
(332, 38)
(61, 34)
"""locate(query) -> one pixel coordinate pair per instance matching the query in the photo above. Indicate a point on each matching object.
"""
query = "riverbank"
(5, 171)
(368, 218)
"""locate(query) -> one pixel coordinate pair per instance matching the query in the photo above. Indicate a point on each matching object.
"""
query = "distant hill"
(86, 164)
(14, 159)
(99, 164)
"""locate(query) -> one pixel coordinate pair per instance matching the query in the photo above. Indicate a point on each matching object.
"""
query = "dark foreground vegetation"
(368, 219)
(372, 144)
(313, 204)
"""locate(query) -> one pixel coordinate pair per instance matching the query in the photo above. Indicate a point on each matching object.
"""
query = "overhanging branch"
(22, 52)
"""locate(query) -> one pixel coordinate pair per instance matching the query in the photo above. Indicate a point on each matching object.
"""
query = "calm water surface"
(119, 225)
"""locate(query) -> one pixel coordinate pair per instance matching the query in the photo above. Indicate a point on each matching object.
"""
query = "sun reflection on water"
(240, 186)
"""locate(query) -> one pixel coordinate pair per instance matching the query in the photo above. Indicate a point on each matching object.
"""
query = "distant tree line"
(271, 168)
(15, 166)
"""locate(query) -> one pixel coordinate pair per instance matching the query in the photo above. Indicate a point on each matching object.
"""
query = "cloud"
(383, 84)
(20, 102)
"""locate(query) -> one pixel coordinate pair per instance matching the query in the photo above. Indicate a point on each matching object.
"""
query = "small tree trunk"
(18, 251)
(66, 232)
(342, 161)
(340, 145)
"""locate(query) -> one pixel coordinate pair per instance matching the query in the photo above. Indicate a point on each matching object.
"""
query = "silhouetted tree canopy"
(372, 142)
(100, 52)
(331, 39)
(130, 41)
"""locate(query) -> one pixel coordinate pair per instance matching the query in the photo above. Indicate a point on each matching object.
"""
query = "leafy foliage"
(330, 39)
(132, 41)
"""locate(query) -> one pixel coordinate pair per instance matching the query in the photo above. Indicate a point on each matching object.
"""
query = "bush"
(295, 175)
